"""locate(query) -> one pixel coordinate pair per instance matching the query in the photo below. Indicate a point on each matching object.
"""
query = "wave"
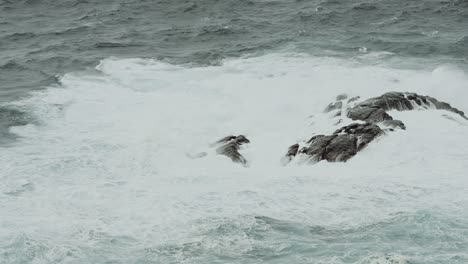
(110, 45)
(11, 117)
(365, 6)
(248, 238)
(20, 36)
(108, 156)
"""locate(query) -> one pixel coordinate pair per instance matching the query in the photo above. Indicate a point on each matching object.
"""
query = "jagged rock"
(342, 145)
(446, 106)
(341, 148)
(292, 150)
(229, 146)
(347, 141)
(375, 109)
(368, 113)
(317, 146)
(389, 101)
(364, 133)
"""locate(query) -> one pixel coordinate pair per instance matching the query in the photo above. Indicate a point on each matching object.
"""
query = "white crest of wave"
(110, 153)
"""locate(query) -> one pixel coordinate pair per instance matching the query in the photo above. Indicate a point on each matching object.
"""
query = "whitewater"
(106, 174)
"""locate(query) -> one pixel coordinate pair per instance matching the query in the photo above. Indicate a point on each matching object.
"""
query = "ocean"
(105, 104)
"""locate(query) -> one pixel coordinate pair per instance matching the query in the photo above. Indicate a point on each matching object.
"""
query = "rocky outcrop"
(375, 109)
(347, 141)
(229, 146)
(342, 145)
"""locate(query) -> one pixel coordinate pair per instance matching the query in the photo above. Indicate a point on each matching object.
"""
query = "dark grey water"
(101, 103)
(40, 40)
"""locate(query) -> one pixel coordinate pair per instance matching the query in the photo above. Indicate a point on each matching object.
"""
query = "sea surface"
(103, 105)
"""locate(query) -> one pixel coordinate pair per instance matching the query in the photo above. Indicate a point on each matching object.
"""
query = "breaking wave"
(104, 172)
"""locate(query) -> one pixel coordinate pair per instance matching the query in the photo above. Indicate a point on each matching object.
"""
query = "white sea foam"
(109, 162)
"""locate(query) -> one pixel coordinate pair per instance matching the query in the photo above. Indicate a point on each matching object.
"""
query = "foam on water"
(106, 176)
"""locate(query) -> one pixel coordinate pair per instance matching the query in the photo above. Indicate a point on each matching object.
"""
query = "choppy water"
(103, 103)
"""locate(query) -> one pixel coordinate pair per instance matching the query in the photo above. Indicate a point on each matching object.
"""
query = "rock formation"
(375, 109)
(229, 146)
(342, 145)
(347, 141)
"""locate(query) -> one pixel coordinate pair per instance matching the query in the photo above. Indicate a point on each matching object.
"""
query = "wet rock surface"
(229, 146)
(347, 141)
(375, 109)
(342, 145)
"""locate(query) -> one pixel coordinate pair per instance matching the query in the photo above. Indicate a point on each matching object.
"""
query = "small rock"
(229, 146)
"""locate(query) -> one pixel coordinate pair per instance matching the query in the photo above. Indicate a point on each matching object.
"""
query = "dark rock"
(347, 141)
(342, 145)
(445, 106)
(388, 101)
(229, 146)
(365, 133)
(292, 150)
(341, 148)
(225, 139)
(375, 109)
(360, 113)
(368, 113)
(378, 115)
(407, 101)
(317, 146)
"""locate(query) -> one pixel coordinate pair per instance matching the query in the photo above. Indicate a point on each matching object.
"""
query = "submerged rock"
(229, 146)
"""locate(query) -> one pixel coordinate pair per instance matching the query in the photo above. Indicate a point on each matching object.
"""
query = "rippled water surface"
(104, 104)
